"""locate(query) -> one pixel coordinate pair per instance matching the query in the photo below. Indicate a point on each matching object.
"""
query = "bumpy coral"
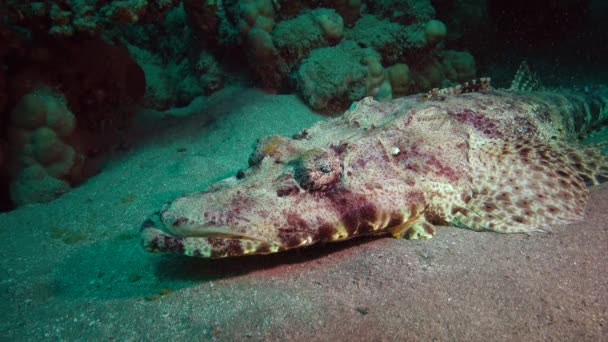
(100, 81)
(333, 77)
(393, 41)
(330, 78)
(458, 66)
(42, 161)
(435, 32)
(399, 78)
(293, 40)
(442, 70)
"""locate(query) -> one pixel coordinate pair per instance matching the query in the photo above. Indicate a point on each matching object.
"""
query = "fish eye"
(318, 169)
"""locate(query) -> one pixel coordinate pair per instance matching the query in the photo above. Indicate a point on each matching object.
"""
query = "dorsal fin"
(473, 86)
(525, 79)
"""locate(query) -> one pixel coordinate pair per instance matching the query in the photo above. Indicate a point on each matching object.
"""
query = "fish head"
(295, 193)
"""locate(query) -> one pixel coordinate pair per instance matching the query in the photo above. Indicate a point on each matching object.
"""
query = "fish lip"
(156, 239)
(155, 221)
(176, 223)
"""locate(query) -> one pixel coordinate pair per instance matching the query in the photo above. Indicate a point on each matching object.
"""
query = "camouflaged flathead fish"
(505, 161)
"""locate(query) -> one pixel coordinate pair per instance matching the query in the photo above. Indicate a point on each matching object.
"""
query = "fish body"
(487, 160)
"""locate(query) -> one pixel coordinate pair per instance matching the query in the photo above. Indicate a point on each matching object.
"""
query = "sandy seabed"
(73, 269)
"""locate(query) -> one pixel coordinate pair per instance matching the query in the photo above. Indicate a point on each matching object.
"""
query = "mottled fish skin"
(501, 161)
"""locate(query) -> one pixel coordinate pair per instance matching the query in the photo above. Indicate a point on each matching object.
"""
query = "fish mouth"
(211, 242)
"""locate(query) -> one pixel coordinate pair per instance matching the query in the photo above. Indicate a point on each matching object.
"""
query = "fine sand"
(73, 269)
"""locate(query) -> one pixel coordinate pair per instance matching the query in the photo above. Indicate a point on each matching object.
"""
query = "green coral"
(333, 77)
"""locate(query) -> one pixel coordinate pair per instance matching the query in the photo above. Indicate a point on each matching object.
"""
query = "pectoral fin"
(415, 228)
(527, 186)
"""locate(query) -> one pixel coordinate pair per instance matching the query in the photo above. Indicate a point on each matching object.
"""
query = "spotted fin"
(526, 186)
(591, 164)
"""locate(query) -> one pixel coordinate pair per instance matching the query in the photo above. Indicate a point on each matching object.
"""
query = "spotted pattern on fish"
(495, 160)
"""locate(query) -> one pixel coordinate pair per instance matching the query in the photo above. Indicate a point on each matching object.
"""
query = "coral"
(42, 161)
(101, 81)
(350, 10)
(435, 32)
(332, 78)
(260, 44)
(405, 12)
(176, 82)
(271, 56)
(447, 66)
(330, 22)
(255, 13)
(376, 84)
(169, 37)
(264, 59)
(427, 76)
(295, 38)
(395, 42)
(458, 66)
(211, 76)
(210, 24)
(73, 17)
(170, 58)
(34, 185)
(399, 78)
(282, 41)
(390, 39)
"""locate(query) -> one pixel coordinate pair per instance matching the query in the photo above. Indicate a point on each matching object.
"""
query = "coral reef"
(288, 45)
(99, 83)
(73, 17)
(294, 39)
(177, 72)
(81, 52)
